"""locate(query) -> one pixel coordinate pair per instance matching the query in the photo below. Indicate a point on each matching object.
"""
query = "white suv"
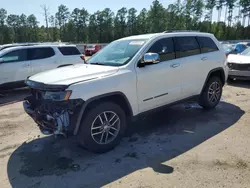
(18, 63)
(128, 77)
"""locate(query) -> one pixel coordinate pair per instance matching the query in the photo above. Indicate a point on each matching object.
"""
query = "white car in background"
(18, 63)
(239, 65)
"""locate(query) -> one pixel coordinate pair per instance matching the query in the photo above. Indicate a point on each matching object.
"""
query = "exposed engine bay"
(52, 117)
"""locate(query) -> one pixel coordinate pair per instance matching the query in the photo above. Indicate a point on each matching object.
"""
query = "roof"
(35, 46)
(175, 33)
(145, 36)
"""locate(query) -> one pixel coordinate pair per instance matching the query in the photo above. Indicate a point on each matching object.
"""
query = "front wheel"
(102, 127)
(211, 95)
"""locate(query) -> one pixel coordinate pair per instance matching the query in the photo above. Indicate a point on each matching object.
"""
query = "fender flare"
(86, 103)
(211, 72)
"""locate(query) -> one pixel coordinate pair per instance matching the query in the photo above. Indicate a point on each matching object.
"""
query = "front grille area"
(236, 66)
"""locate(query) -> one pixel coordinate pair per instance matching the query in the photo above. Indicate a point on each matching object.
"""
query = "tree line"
(105, 26)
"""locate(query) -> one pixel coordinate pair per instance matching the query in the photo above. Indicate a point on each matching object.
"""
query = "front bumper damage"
(53, 117)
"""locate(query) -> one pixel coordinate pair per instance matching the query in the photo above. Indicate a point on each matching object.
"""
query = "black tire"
(84, 135)
(205, 99)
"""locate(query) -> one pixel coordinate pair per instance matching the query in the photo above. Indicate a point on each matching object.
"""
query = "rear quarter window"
(69, 51)
(207, 44)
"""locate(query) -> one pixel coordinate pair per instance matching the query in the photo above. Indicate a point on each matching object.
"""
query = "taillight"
(227, 54)
(83, 58)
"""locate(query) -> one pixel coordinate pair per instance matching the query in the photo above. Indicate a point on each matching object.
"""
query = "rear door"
(192, 72)
(70, 55)
(15, 66)
(42, 59)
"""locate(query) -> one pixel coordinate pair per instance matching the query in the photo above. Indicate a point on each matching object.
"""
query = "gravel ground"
(182, 146)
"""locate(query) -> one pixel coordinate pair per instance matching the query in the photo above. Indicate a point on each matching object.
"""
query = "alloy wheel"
(105, 127)
(214, 92)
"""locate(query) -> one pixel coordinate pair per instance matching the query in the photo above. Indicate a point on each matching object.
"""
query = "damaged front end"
(52, 110)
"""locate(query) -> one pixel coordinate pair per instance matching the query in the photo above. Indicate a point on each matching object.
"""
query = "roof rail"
(176, 31)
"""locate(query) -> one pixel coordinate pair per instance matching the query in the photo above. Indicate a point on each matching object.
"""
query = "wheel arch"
(215, 72)
(117, 97)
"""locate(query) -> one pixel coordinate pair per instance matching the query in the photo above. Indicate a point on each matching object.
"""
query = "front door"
(14, 66)
(159, 84)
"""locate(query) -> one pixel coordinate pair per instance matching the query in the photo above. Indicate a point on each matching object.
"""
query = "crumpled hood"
(240, 59)
(73, 73)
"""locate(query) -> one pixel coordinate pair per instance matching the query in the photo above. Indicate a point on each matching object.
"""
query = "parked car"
(236, 49)
(128, 78)
(92, 49)
(239, 65)
(18, 63)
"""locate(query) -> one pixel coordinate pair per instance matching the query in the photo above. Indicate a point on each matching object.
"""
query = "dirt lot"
(182, 146)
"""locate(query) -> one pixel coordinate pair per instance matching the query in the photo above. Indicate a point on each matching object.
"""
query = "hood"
(240, 59)
(73, 73)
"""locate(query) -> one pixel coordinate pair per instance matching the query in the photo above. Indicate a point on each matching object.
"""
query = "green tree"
(107, 27)
(219, 6)
(80, 18)
(32, 24)
(14, 23)
(209, 5)
(92, 37)
(132, 22)
(53, 28)
(120, 23)
(157, 17)
(142, 22)
(62, 17)
(3, 16)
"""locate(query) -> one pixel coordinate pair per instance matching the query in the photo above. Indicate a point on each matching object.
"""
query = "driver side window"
(15, 56)
(165, 48)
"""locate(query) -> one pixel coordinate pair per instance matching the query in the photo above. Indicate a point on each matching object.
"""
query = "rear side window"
(186, 46)
(165, 48)
(69, 50)
(207, 44)
(15, 56)
(40, 53)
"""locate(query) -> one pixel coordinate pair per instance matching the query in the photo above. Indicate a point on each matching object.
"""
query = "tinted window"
(207, 44)
(69, 50)
(186, 46)
(165, 48)
(15, 56)
(40, 53)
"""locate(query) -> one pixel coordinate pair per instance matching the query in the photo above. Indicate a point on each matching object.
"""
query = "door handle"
(204, 58)
(175, 65)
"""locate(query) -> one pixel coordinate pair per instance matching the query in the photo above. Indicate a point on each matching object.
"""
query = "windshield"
(117, 53)
(246, 52)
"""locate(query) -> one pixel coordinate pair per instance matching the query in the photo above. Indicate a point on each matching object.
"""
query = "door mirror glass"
(151, 58)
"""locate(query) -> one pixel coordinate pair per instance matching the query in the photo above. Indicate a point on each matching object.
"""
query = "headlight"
(57, 96)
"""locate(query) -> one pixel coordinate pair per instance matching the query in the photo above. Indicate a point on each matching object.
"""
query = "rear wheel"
(102, 127)
(211, 94)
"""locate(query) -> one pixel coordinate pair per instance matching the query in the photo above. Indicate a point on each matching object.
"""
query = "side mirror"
(150, 58)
